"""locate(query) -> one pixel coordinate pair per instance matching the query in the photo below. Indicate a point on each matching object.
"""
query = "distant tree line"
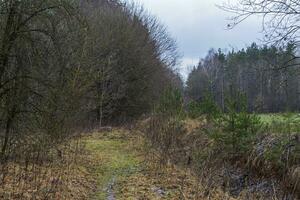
(268, 76)
(70, 64)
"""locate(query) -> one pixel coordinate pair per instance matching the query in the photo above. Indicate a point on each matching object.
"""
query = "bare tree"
(280, 18)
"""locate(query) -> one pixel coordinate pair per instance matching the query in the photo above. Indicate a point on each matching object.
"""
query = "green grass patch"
(279, 117)
(281, 123)
(115, 161)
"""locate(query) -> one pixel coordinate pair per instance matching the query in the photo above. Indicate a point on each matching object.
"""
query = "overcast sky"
(198, 25)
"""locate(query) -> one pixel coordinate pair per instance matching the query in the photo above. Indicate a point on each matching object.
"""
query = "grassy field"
(283, 123)
(280, 117)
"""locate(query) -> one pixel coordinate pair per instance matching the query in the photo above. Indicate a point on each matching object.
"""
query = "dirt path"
(122, 172)
(116, 160)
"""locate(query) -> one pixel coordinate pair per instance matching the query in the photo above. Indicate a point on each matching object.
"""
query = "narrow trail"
(110, 190)
(122, 173)
(115, 162)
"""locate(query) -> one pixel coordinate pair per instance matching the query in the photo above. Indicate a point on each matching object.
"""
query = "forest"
(268, 76)
(93, 105)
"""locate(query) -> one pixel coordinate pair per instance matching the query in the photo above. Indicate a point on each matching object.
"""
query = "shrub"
(209, 107)
(237, 128)
(194, 109)
(166, 125)
(283, 152)
(171, 104)
(206, 107)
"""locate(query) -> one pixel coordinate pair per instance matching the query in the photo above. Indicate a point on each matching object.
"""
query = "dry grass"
(86, 169)
(252, 176)
(59, 178)
(156, 182)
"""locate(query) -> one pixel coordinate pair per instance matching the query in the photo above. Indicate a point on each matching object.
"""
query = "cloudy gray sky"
(198, 25)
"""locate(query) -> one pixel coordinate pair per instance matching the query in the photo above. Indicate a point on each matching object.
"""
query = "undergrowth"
(234, 138)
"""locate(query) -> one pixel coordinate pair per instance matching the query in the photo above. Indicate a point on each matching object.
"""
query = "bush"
(166, 126)
(194, 109)
(283, 152)
(171, 104)
(209, 107)
(205, 107)
(237, 129)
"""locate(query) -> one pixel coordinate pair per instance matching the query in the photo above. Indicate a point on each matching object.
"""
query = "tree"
(33, 66)
(255, 71)
(280, 17)
(66, 65)
(131, 68)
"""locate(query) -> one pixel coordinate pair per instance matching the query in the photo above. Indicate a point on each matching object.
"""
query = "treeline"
(268, 76)
(71, 64)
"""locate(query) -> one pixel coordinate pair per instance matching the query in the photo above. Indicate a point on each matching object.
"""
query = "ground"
(113, 161)
(124, 171)
(110, 165)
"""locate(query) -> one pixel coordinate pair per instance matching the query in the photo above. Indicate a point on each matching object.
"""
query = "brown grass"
(59, 178)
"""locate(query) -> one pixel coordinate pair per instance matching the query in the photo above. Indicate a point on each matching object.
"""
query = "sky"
(198, 25)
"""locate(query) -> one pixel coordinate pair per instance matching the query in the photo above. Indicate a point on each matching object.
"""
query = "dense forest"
(65, 65)
(268, 77)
